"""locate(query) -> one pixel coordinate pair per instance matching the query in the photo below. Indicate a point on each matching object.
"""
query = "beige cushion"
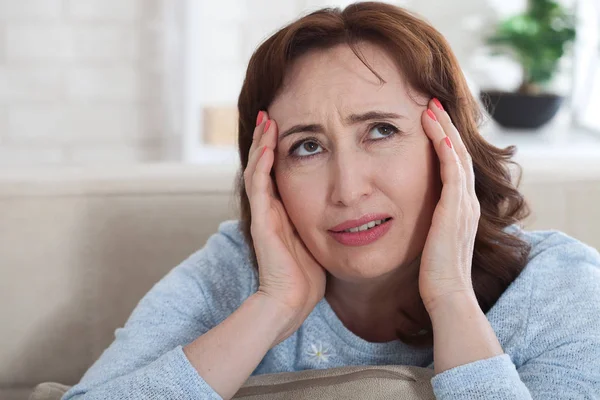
(393, 382)
(367, 382)
(79, 248)
(49, 391)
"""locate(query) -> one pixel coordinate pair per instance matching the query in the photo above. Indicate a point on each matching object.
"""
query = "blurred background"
(118, 136)
(87, 82)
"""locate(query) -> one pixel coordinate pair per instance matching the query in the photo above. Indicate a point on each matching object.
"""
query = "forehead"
(337, 77)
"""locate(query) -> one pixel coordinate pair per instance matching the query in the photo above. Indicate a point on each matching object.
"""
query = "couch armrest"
(49, 391)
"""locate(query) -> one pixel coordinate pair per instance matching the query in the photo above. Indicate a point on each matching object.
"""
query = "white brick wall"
(113, 84)
(88, 79)
(3, 122)
(30, 82)
(85, 81)
(37, 42)
(35, 124)
(2, 42)
(11, 10)
(105, 42)
(104, 10)
(17, 156)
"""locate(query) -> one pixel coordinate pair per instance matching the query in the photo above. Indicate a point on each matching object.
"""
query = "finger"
(258, 142)
(261, 180)
(451, 170)
(261, 120)
(267, 138)
(459, 146)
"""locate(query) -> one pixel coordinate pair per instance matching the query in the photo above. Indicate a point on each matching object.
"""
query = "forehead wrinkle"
(313, 94)
(348, 100)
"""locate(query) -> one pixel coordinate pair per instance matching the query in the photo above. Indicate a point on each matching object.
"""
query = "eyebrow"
(350, 120)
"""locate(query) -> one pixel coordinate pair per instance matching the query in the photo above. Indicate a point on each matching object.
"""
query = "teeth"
(365, 226)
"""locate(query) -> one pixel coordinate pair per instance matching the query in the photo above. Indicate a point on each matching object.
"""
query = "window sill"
(556, 151)
(553, 141)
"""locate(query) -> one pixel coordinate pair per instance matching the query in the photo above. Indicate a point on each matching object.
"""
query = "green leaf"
(537, 39)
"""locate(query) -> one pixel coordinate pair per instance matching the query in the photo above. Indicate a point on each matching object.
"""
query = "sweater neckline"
(373, 349)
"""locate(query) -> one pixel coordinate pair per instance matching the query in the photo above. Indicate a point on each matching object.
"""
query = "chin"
(361, 267)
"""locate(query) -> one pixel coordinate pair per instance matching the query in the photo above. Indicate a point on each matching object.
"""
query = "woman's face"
(351, 148)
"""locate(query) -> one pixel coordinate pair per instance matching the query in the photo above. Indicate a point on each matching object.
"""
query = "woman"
(382, 229)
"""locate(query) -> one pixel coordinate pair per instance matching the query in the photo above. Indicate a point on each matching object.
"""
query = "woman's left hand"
(445, 270)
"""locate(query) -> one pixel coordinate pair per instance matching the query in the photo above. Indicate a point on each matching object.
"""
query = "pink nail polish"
(259, 118)
(448, 142)
(431, 115)
(267, 125)
(263, 151)
(438, 103)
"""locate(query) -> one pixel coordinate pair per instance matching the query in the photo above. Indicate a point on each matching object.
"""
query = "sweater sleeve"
(560, 352)
(146, 359)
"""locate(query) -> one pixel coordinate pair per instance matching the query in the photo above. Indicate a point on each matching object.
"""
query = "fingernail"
(259, 118)
(267, 125)
(431, 115)
(263, 151)
(448, 142)
(438, 103)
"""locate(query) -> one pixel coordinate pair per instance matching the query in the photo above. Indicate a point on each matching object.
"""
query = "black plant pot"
(517, 110)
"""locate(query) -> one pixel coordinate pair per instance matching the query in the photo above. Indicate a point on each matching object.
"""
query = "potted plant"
(537, 40)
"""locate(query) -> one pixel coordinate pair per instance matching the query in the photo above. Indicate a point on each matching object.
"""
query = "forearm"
(228, 354)
(462, 333)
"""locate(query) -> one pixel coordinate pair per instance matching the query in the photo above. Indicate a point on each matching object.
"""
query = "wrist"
(451, 303)
(276, 315)
(461, 331)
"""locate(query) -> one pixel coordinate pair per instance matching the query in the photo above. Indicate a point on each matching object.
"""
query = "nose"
(350, 178)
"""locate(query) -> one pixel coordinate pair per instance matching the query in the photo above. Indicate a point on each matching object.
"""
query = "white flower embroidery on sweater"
(319, 353)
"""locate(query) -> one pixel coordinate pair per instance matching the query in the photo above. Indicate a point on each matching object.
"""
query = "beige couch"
(79, 248)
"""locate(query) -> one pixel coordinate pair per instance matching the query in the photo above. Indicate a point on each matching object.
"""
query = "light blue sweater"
(547, 321)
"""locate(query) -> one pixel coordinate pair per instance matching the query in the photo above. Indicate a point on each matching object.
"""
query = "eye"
(381, 131)
(305, 148)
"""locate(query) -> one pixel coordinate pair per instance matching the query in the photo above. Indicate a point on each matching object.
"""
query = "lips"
(363, 237)
(355, 223)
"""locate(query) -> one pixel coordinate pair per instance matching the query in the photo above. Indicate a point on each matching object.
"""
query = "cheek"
(300, 195)
(412, 180)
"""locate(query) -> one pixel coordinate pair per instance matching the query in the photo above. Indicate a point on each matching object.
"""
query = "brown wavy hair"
(428, 64)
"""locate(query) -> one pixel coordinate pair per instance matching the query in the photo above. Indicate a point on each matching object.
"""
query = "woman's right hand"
(288, 273)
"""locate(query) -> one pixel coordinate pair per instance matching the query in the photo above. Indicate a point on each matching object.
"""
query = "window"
(586, 91)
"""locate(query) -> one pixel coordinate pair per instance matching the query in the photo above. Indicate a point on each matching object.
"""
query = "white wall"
(101, 81)
(231, 30)
(83, 81)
